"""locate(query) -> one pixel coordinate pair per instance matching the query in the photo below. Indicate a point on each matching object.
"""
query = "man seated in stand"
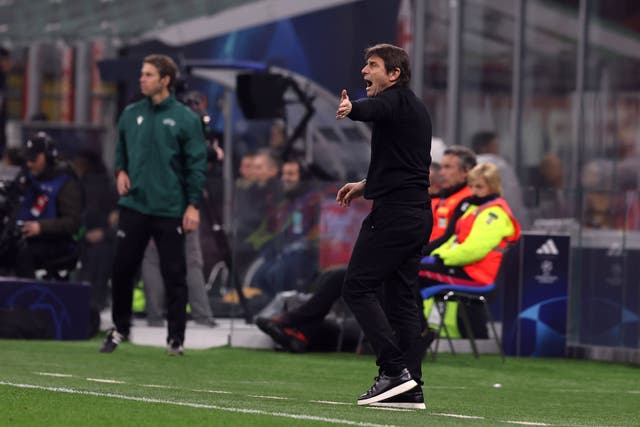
(482, 227)
(50, 216)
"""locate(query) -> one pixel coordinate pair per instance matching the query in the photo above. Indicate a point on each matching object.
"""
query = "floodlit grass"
(236, 387)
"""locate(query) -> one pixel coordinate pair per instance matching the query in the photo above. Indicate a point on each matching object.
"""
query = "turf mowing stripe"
(196, 405)
(53, 374)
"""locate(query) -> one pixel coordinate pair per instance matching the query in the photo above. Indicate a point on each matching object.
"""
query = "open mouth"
(368, 83)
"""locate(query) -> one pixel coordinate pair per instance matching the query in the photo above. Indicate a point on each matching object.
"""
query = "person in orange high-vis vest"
(472, 255)
(456, 163)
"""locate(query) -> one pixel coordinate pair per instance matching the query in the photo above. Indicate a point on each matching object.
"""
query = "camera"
(13, 185)
(197, 101)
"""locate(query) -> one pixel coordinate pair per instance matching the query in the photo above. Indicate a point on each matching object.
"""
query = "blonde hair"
(489, 172)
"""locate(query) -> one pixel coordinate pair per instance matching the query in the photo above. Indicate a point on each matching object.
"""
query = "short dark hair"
(466, 156)
(481, 140)
(393, 57)
(166, 67)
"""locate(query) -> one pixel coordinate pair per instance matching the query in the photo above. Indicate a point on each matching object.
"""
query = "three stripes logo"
(548, 248)
(615, 250)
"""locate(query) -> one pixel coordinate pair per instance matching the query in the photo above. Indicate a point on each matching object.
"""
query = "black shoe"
(112, 340)
(412, 399)
(387, 386)
(291, 339)
(174, 347)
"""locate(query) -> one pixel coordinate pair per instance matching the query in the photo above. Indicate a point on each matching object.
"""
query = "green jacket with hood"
(162, 149)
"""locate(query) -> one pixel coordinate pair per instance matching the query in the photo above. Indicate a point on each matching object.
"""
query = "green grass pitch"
(53, 383)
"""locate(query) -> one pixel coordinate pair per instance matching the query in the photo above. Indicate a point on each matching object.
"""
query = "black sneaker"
(111, 341)
(387, 386)
(412, 399)
(291, 339)
(174, 347)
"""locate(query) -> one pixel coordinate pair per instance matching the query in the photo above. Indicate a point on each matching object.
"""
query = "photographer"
(50, 213)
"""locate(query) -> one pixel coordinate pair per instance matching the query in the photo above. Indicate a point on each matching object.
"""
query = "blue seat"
(464, 294)
(432, 291)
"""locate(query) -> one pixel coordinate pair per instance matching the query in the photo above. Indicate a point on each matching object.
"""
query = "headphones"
(50, 150)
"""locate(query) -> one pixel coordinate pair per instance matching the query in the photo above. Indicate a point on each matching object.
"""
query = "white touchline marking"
(526, 423)
(268, 397)
(53, 374)
(633, 391)
(156, 386)
(211, 391)
(328, 402)
(473, 417)
(102, 380)
(197, 405)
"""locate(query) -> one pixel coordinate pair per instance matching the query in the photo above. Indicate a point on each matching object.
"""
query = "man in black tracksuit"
(392, 238)
(160, 172)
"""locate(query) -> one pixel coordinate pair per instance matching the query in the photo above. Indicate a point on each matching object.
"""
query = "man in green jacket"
(160, 172)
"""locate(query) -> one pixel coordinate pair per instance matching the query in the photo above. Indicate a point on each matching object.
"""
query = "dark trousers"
(50, 254)
(134, 231)
(329, 289)
(387, 254)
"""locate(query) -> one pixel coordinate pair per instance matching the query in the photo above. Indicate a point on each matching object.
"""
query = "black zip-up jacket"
(400, 145)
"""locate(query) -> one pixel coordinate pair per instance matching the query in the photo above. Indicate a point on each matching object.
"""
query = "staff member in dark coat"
(392, 238)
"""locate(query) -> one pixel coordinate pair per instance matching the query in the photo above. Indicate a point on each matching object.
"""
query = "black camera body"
(196, 102)
(13, 186)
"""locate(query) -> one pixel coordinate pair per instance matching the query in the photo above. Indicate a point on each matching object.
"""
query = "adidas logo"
(615, 250)
(548, 248)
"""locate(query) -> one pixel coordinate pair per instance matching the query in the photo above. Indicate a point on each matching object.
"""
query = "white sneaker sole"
(399, 389)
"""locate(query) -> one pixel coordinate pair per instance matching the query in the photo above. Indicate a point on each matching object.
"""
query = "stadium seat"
(464, 294)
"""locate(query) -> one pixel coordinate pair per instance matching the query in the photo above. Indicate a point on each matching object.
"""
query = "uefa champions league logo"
(38, 297)
(546, 277)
